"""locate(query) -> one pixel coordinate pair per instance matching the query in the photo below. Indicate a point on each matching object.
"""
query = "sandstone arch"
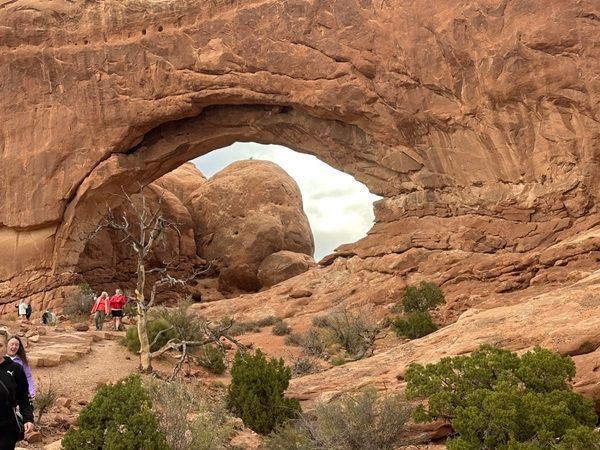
(478, 123)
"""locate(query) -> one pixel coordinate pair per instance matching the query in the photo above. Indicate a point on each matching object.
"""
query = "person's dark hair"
(21, 352)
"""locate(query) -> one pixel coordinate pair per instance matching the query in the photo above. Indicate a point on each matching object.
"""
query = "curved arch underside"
(478, 124)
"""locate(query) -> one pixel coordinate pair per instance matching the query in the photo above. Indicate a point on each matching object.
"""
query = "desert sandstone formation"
(244, 213)
(476, 121)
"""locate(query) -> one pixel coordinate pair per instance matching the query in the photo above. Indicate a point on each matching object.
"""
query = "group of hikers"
(17, 388)
(103, 306)
(17, 391)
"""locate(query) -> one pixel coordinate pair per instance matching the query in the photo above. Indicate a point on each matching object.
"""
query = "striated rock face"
(245, 213)
(283, 265)
(476, 121)
(182, 182)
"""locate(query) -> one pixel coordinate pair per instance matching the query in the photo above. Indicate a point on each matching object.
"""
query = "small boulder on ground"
(283, 265)
(81, 327)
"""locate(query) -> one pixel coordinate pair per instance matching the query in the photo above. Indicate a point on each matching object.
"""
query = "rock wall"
(476, 121)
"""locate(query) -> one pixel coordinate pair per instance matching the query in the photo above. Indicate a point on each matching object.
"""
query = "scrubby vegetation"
(78, 306)
(119, 417)
(45, 398)
(281, 328)
(154, 327)
(187, 419)
(415, 304)
(237, 328)
(495, 399)
(256, 393)
(339, 334)
(355, 422)
(211, 357)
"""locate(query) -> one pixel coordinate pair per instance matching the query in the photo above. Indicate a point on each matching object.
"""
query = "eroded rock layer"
(476, 121)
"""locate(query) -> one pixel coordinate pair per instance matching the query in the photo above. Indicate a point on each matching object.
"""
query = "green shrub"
(313, 343)
(496, 400)
(187, 325)
(212, 357)
(363, 421)
(132, 341)
(79, 305)
(427, 296)
(256, 392)
(118, 418)
(188, 420)
(281, 328)
(415, 325)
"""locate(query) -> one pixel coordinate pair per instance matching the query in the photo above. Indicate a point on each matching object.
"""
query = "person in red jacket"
(100, 310)
(116, 304)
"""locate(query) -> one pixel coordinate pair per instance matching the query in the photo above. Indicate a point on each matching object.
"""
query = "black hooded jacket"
(13, 377)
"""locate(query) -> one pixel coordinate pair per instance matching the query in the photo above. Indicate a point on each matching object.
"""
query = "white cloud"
(339, 208)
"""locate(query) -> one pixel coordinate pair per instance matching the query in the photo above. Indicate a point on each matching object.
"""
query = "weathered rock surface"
(244, 213)
(182, 181)
(283, 265)
(477, 122)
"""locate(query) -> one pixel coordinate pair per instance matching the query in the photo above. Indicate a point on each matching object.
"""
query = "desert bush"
(415, 325)
(423, 298)
(362, 421)
(118, 418)
(313, 343)
(45, 398)
(496, 399)
(211, 357)
(189, 421)
(294, 339)
(256, 392)
(132, 340)
(338, 330)
(267, 321)
(303, 365)
(281, 328)
(239, 328)
(79, 305)
(187, 325)
(338, 360)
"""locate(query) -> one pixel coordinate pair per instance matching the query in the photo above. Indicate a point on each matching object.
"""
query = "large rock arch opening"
(477, 123)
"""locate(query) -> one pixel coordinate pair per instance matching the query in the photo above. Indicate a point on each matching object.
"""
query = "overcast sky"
(339, 208)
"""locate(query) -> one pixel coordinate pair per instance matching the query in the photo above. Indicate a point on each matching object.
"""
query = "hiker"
(28, 308)
(48, 318)
(14, 392)
(116, 304)
(100, 310)
(16, 351)
(22, 310)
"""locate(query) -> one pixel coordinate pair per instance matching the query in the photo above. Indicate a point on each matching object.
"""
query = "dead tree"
(142, 237)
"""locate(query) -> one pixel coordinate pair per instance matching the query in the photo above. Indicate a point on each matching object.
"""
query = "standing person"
(16, 351)
(28, 308)
(100, 310)
(22, 310)
(13, 392)
(116, 304)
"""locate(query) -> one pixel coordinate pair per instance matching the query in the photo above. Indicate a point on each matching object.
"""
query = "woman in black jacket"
(14, 391)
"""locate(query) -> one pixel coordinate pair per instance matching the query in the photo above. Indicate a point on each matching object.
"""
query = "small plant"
(187, 325)
(267, 321)
(495, 399)
(281, 328)
(256, 393)
(304, 365)
(415, 325)
(338, 360)
(44, 400)
(294, 339)
(78, 306)
(189, 421)
(427, 296)
(339, 330)
(166, 330)
(119, 417)
(362, 421)
(212, 357)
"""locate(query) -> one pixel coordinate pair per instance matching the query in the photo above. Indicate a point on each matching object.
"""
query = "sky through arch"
(339, 208)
